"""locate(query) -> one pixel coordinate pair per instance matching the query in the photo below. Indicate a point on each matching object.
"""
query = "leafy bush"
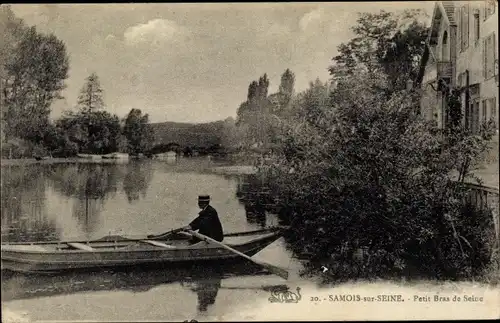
(19, 148)
(369, 173)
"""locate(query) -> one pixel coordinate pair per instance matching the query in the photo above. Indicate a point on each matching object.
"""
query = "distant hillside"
(188, 134)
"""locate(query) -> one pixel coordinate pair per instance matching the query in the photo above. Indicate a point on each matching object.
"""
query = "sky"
(193, 62)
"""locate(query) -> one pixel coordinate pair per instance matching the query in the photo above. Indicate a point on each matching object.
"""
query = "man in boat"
(207, 222)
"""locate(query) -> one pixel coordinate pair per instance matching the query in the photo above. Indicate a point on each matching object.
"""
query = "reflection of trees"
(93, 181)
(253, 192)
(137, 180)
(90, 184)
(24, 217)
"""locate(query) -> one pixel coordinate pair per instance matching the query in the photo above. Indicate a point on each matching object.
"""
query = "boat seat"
(158, 244)
(80, 246)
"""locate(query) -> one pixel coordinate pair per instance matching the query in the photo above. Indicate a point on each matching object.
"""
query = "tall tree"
(386, 42)
(90, 101)
(280, 102)
(91, 95)
(287, 83)
(34, 68)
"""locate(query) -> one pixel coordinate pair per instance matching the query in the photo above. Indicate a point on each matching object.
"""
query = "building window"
(493, 111)
(489, 8)
(489, 56)
(464, 27)
(477, 28)
(475, 117)
(462, 78)
(445, 52)
(485, 111)
(473, 109)
(490, 112)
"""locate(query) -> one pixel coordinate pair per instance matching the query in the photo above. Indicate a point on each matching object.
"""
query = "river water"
(89, 201)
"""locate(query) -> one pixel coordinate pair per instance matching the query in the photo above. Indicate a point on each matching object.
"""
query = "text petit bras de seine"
(400, 298)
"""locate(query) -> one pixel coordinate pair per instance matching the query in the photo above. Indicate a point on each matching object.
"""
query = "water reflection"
(137, 180)
(139, 198)
(23, 212)
(86, 181)
(80, 201)
(206, 290)
(254, 193)
(205, 281)
(90, 185)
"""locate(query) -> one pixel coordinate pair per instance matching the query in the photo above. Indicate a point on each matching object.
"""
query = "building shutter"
(484, 112)
(493, 111)
(493, 52)
(467, 21)
(484, 56)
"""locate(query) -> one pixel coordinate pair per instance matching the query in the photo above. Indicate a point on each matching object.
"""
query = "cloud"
(154, 32)
(310, 18)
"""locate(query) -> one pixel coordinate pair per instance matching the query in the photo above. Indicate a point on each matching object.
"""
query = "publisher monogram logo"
(280, 295)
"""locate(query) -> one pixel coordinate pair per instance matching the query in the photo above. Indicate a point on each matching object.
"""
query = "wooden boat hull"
(42, 258)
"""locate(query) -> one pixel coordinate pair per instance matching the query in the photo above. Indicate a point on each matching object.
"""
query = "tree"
(91, 95)
(10, 30)
(314, 102)
(138, 132)
(374, 174)
(281, 101)
(104, 133)
(386, 43)
(253, 113)
(102, 129)
(33, 74)
(287, 83)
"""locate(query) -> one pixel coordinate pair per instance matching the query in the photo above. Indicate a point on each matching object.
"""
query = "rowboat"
(55, 256)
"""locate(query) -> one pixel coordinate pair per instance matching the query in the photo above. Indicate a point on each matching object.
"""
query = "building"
(462, 53)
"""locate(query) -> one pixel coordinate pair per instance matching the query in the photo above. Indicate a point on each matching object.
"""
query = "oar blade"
(275, 270)
(271, 268)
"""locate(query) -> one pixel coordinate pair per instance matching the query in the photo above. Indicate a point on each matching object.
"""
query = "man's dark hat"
(204, 198)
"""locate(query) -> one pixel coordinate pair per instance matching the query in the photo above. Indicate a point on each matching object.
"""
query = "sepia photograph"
(280, 161)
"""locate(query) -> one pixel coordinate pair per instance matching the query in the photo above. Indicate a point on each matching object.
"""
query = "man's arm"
(194, 225)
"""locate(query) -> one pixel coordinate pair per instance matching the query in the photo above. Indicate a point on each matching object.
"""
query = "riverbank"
(235, 170)
(49, 161)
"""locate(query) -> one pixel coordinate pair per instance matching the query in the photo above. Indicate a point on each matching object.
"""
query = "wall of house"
(472, 59)
(432, 102)
(489, 87)
(429, 104)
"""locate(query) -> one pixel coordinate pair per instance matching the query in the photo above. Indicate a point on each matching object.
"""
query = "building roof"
(449, 8)
(443, 11)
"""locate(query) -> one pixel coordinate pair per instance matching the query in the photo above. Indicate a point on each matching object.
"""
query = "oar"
(166, 234)
(271, 268)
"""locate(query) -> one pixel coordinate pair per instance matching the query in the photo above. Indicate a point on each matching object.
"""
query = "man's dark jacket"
(208, 224)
